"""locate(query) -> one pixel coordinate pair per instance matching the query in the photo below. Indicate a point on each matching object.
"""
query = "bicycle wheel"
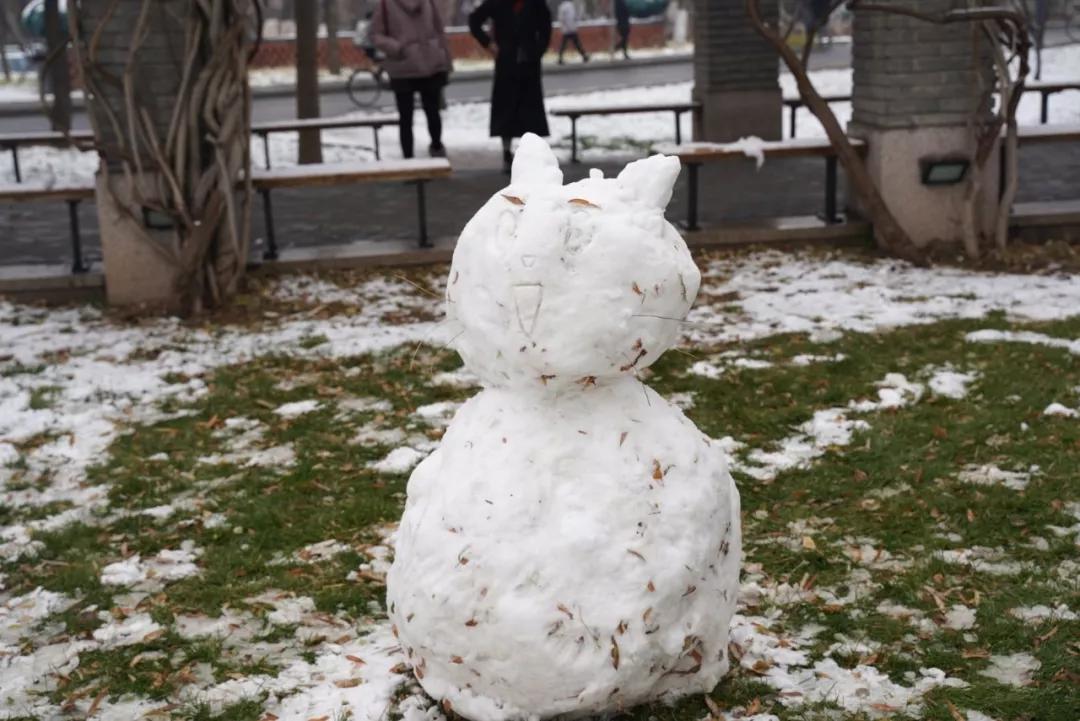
(364, 88)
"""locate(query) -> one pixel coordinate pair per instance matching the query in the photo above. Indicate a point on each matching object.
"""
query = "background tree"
(307, 77)
(56, 74)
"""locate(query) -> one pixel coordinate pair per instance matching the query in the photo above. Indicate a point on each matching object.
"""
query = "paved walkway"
(36, 233)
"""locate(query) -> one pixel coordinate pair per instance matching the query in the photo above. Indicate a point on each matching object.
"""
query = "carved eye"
(507, 226)
(578, 232)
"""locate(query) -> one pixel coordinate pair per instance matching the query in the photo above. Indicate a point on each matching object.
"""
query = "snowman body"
(573, 545)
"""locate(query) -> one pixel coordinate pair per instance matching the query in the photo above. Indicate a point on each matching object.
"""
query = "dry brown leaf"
(582, 203)
(348, 682)
(614, 653)
(714, 708)
(954, 712)
(513, 199)
(808, 543)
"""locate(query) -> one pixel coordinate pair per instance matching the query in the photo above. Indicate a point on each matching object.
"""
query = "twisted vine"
(196, 173)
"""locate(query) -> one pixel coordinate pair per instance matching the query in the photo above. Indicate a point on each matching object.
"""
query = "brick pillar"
(915, 87)
(735, 73)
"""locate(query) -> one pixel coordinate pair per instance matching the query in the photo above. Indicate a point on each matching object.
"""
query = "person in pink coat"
(412, 36)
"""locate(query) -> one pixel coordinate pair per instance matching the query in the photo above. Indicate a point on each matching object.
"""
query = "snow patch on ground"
(1015, 669)
(990, 475)
(165, 567)
(1041, 614)
(1023, 336)
(951, 383)
(1057, 409)
(399, 460)
(297, 408)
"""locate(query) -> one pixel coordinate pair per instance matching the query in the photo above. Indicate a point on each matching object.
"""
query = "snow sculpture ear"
(534, 163)
(651, 180)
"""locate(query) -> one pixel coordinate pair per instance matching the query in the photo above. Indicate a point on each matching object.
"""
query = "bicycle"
(366, 85)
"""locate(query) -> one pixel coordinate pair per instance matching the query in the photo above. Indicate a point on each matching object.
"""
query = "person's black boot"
(508, 161)
(437, 151)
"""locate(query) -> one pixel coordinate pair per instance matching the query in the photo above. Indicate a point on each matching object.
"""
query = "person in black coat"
(522, 31)
(622, 27)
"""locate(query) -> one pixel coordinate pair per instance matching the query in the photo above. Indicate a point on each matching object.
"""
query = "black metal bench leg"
(1044, 114)
(794, 115)
(15, 163)
(271, 252)
(375, 132)
(678, 128)
(830, 190)
(77, 264)
(573, 139)
(692, 196)
(266, 148)
(421, 203)
(1003, 168)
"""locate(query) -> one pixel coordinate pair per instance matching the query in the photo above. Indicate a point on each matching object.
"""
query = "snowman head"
(557, 285)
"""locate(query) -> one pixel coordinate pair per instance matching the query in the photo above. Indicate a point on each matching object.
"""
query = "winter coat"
(622, 15)
(522, 30)
(568, 17)
(412, 35)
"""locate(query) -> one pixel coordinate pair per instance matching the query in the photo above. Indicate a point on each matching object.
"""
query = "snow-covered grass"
(197, 519)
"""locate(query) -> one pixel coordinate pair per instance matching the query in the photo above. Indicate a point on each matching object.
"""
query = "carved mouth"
(527, 300)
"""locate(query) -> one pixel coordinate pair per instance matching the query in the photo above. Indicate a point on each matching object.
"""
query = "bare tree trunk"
(57, 68)
(333, 52)
(307, 77)
(3, 46)
(888, 232)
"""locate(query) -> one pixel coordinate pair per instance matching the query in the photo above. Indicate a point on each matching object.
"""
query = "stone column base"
(729, 115)
(135, 273)
(930, 214)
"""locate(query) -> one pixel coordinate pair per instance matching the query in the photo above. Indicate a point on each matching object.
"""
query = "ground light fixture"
(944, 170)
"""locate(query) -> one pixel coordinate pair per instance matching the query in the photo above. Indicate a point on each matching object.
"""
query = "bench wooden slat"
(27, 192)
(1059, 133)
(45, 137)
(797, 101)
(322, 174)
(1052, 86)
(793, 148)
(282, 126)
(626, 109)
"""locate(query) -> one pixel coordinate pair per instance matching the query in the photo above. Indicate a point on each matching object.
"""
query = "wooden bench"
(418, 171)
(264, 130)
(694, 155)
(72, 194)
(1045, 90)
(574, 113)
(12, 141)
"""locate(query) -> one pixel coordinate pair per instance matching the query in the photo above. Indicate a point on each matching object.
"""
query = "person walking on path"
(568, 23)
(622, 27)
(412, 36)
(522, 32)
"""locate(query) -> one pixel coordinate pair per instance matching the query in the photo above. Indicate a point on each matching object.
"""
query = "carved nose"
(527, 300)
